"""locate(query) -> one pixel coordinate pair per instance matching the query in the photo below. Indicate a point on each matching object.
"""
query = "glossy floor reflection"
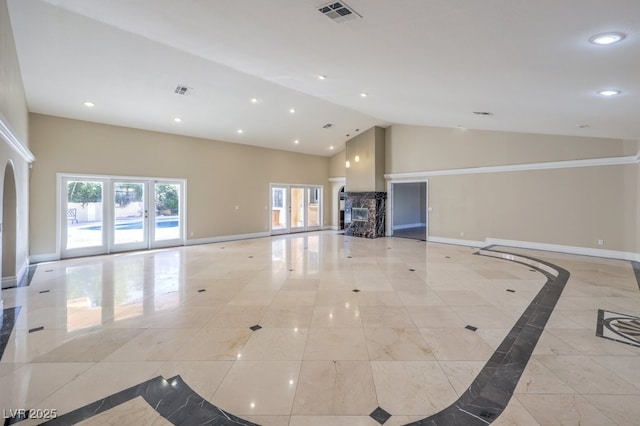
(324, 354)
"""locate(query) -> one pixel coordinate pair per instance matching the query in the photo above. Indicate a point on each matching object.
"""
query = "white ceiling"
(422, 62)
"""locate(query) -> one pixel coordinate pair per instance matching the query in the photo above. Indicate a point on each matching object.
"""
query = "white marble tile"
(561, 409)
(347, 315)
(336, 344)
(412, 387)
(586, 376)
(622, 409)
(333, 421)
(135, 411)
(335, 388)
(213, 344)
(536, 378)
(461, 373)
(203, 377)
(515, 415)
(385, 316)
(258, 388)
(397, 344)
(97, 382)
(276, 344)
(454, 344)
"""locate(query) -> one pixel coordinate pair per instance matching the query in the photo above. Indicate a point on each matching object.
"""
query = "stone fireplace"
(365, 214)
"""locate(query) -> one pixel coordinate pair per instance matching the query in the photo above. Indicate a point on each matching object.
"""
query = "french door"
(295, 208)
(102, 215)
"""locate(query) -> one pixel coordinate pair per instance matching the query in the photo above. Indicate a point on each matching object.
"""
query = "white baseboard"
(456, 242)
(226, 238)
(330, 228)
(8, 282)
(584, 251)
(409, 225)
(47, 257)
(13, 280)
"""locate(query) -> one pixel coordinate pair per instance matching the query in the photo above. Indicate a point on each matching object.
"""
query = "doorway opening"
(9, 228)
(107, 214)
(409, 212)
(295, 208)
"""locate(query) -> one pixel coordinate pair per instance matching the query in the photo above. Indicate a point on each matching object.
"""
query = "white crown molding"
(592, 162)
(14, 142)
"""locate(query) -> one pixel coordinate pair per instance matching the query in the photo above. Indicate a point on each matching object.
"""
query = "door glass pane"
(278, 208)
(128, 213)
(297, 207)
(313, 202)
(84, 214)
(167, 205)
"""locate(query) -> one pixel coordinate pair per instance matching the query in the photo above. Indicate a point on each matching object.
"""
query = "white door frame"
(108, 220)
(389, 218)
(287, 208)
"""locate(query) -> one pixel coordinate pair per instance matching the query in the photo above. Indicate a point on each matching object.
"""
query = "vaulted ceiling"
(530, 64)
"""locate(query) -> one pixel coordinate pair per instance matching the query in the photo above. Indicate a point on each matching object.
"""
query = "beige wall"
(336, 164)
(416, 148)
(572, 206)
(13, 107)
(368, 173)
(219, 175)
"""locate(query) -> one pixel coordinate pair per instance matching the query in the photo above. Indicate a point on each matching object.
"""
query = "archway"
(9, 227)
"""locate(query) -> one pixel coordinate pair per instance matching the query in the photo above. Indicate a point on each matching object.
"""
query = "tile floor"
(125, 337)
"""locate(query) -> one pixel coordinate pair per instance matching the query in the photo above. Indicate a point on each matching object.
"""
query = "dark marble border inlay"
(636, 270)
(173, 399)
(492, 389)
(9, 316)
(26, 278)
(622, 328)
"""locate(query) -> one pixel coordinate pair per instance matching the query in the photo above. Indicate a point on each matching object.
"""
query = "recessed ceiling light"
(322, 77)
(296, 141)
(364, 95)
(582, 126)
(607, 38)
(89, 104)
(331, 147)
(254, 100)
(177, 119)
(240, 131)
(609, 92)
(292, 110)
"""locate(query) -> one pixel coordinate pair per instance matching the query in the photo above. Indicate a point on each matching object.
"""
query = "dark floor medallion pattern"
(491, 390)
(618, 327)
(482, 403)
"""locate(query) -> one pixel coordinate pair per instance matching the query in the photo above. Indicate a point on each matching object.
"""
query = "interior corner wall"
(13, 107)
(570, 206)
(219, 175)
(336, 165)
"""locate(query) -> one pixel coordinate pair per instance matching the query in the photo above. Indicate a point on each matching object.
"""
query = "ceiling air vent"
(482, 113)
(339, 12)
(182, 90)
(327, 126)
